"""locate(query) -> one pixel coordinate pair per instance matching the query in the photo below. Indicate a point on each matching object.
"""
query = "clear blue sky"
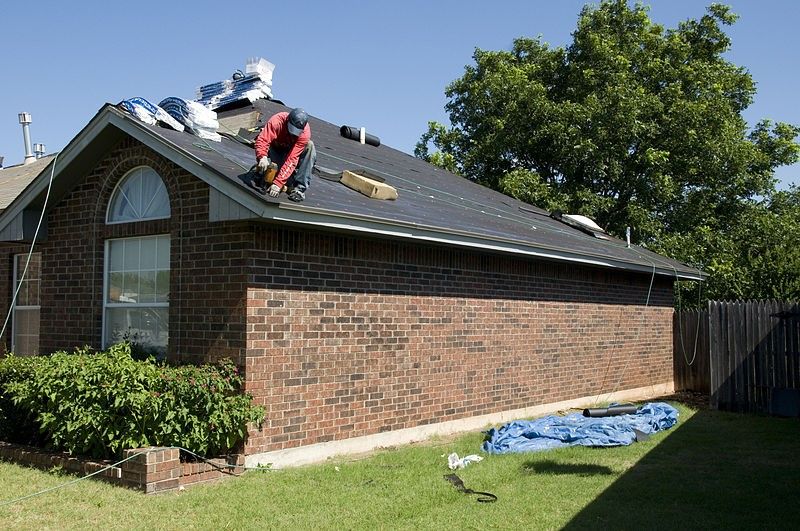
(380, 65)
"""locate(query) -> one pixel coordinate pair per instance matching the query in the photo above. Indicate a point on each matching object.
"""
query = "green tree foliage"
(632, 125)
(756, 257)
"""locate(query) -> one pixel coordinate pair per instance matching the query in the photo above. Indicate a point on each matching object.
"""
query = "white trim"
(316, 453)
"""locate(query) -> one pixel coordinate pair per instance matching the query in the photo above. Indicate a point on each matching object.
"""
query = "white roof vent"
(582, 223)
(583, 220)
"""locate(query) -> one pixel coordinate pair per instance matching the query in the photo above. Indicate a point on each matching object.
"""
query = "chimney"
(38, 150)
(25, 121)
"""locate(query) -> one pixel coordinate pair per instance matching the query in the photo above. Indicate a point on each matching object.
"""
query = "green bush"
(17, 424)
(101, 403)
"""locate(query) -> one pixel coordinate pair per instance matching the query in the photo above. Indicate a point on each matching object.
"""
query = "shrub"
(17, 424)
(101, 403)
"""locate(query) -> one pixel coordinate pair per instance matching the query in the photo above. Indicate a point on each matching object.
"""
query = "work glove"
(263, 164)
(274, 189)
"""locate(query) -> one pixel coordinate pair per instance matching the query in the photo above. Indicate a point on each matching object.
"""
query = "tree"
(631, 125)
(756, 257)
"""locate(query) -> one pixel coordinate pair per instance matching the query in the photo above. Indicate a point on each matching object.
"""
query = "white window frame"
(26, 307)
(125, 177)
(107, 276)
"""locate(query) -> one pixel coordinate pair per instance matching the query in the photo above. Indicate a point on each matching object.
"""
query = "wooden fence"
(741, 353)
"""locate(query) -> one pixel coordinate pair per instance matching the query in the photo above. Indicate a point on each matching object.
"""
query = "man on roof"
(286, 141)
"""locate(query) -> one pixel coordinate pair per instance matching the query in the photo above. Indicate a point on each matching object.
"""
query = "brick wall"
(207, 299)
(343, 336)
(351, 336)
(152, 469)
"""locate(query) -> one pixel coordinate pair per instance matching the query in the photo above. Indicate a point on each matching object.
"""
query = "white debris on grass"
(453, 462)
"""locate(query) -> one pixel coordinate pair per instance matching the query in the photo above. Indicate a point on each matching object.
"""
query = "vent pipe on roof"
(1, 162)
(38, 150)
(25, 121)
(359, 134)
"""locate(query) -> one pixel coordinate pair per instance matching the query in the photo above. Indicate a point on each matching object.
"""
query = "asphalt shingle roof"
(14, 179)
(429, 196)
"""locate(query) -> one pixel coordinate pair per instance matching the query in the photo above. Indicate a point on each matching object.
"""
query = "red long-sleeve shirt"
(276, 132)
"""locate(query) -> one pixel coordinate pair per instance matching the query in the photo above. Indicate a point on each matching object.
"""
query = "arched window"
(139, 196)
(137, 270)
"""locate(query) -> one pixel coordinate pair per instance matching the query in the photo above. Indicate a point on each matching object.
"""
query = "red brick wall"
(350, 337)
(152, 469)
(344, 336)
(207, 307)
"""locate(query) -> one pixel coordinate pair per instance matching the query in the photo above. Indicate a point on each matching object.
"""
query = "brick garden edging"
(155, 469)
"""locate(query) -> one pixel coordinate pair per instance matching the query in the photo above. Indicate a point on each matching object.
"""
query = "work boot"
(296, 195)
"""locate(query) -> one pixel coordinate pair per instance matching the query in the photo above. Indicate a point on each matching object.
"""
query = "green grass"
(713, 470)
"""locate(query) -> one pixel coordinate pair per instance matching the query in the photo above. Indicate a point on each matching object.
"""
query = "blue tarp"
(575, 429)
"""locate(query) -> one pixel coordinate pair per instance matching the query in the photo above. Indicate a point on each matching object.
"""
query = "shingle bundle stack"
(198, 119)
(254, 84)
(149, 113)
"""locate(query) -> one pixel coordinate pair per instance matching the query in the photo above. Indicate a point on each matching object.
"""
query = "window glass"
(25, 333)
(137, 292)
(140, 195)
(146, 326)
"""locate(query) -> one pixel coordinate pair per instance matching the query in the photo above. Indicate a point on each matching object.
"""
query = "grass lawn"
(713, 470)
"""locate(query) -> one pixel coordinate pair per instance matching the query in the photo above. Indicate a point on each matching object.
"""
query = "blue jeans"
(301, 178)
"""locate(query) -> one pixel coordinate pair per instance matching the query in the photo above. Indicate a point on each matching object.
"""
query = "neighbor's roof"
(433, 205)
(14, 179)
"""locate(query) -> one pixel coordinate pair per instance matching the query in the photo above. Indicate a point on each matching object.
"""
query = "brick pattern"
(350, 337)
(36, 457)
(150, 470)
(213, 469)
(207, 308)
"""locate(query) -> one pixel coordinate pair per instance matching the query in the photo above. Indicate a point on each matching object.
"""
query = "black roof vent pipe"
(359, 134)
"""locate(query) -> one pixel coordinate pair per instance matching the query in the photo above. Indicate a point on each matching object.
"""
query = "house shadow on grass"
(714, 471)
(555, 468)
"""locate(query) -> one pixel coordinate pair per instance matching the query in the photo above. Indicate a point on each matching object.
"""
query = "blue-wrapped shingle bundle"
(149, 113)
(254, 84)
(199, 120)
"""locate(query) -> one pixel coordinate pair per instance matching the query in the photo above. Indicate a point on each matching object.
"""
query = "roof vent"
(581, 223)
(1, 161)
(25, 121)
(359, 134)
(38, 150)
(583, 220)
